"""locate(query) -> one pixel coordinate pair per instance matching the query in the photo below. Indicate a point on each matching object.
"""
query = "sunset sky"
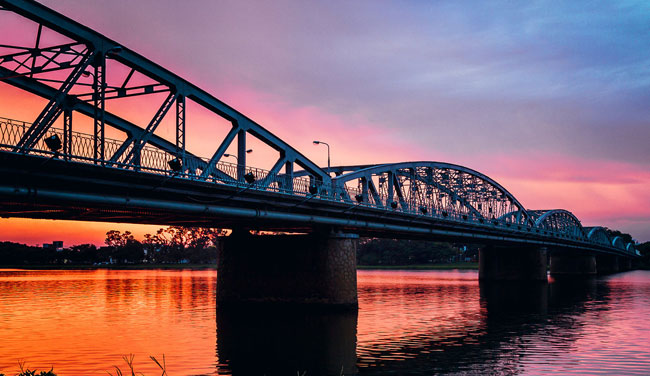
(550, 99)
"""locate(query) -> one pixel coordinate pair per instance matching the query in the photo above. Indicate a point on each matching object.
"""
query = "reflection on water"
(408, 323)
(286, 341)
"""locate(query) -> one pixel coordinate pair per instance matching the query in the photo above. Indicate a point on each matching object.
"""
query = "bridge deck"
(40, 187)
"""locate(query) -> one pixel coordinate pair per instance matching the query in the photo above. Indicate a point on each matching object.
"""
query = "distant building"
(56, 245)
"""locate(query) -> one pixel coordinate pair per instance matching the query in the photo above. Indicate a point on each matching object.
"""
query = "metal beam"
(67, 133)
(137, 142)
(53, 109)
(400, 193)
(241, 154)
(375, 195)
(210, 167)
(180, 127)
(271, 176)
(133, 157)
(99, 85)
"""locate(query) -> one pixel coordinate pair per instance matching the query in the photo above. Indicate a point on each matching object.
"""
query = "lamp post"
(88, 74)
(234, 156)
(328, 154)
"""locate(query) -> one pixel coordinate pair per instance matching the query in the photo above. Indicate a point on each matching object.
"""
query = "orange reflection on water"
(418, 323)
(84, 321)
(401, 312)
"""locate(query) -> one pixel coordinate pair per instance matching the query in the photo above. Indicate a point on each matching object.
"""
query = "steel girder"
(434, 188)
(24, 69)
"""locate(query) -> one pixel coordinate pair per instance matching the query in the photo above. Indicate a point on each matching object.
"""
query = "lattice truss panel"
(558, 220)
(435, 189)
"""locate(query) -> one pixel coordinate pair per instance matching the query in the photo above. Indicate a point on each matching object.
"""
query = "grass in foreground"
(131, 370)
(27, 372)
(118, 372)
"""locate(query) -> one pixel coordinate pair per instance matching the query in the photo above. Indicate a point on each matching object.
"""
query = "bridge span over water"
(52, 170)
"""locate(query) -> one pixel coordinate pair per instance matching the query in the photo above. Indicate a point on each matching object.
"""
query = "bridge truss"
(59, 72)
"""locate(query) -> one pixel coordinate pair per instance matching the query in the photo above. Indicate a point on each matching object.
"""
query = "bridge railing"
(156, 161)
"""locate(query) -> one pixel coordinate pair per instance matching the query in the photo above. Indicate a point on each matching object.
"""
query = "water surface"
(408, 323)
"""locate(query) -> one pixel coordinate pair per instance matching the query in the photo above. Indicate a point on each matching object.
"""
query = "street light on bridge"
(328, 154)
(234, 156)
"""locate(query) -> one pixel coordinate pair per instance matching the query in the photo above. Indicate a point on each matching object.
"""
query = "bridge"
(52, 170)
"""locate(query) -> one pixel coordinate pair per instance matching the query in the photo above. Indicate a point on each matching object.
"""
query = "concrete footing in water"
(608, 264)
(573, 264)
(314, 269)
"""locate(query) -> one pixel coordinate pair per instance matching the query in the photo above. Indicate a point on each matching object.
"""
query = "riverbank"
(459, 265)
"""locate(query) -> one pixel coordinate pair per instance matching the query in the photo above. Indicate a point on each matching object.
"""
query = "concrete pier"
(607, 264)
(314, 269)
(625, 263)
(513, 263)
(573, 265)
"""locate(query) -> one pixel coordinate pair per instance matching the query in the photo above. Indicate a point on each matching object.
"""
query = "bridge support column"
(512, 264)
(573, 264)
(315, 269)
(625, 263)
(607, 264)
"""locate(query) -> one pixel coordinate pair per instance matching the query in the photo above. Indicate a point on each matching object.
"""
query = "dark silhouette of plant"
(131, 371)
(27, 372)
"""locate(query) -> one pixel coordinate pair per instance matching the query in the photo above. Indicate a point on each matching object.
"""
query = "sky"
(548, 98)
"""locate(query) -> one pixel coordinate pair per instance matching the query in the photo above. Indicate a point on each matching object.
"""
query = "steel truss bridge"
(50, 170)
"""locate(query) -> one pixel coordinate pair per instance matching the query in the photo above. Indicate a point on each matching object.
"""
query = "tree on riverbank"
(182, 244)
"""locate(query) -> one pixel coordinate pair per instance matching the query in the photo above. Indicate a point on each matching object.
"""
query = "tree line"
(169, 245)
(175, 244)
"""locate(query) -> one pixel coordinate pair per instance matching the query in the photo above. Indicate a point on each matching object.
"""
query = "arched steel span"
(630, 247)
(618, 242)
(598, 235)
(559, 220)
(433, 188)
(53, 71)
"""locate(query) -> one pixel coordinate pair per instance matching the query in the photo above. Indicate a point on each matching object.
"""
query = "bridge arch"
(630, 247)
(618, 242)
(434, 188)
(559, 220)
(598, 235)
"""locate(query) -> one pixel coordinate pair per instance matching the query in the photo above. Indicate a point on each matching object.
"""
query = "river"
(408, 323)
